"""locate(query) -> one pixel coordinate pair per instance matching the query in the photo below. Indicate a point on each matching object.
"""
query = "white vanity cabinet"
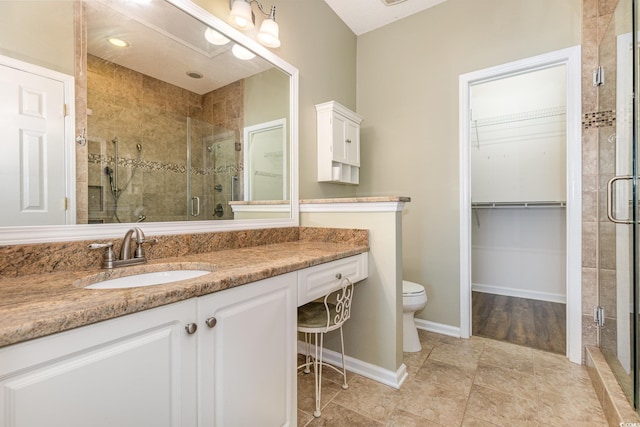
(338, 134)
(136, 370)
(146, 369)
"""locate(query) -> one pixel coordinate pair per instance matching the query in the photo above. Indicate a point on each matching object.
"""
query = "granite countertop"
(36, 305)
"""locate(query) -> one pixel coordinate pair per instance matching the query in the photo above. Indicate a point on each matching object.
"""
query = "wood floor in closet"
(532, 323)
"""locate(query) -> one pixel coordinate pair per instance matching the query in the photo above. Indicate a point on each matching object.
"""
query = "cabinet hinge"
(598, 315)
(66, 203)
(64, 110)
(598, 76)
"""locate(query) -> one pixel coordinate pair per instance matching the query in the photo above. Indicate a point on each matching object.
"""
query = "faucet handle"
(109, 256)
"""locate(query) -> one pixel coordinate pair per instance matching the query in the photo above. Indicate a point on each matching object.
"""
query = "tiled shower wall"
(598, 107)
(148, 118)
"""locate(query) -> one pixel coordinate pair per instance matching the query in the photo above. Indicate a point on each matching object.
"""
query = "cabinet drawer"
(315, 282)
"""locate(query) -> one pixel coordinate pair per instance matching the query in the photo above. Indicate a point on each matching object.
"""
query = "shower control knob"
(191, 328)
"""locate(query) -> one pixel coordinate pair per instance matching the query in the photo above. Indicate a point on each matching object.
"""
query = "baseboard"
(374, 372)
(519, 293)
(439, 328)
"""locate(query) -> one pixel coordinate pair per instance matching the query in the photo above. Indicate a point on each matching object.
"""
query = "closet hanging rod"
(517, 205)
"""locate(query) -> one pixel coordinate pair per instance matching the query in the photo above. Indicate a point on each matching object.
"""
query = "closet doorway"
(520, 207)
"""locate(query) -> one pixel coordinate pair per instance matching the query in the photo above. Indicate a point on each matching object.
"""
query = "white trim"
(368, 370)
(438, 328)
(571, 57)
(519, 293)
(42, 234)
(353, 207)
(68, 83)
(284, 207)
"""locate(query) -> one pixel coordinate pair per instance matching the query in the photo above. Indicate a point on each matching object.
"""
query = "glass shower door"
(616, 226)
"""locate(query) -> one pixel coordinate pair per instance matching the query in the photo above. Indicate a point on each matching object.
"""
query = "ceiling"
(363, 16)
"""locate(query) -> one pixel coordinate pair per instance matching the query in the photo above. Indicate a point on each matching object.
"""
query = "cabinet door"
(339, 138)
(352, 143)
(246, 362)
(136, 370)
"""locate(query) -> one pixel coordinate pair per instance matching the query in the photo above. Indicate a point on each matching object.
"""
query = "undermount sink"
(148, 275)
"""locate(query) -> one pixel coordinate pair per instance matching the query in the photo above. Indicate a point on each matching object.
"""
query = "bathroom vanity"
(220, 352)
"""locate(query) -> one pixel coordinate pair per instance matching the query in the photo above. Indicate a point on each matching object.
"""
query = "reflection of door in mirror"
(33, 179)
(265, 170)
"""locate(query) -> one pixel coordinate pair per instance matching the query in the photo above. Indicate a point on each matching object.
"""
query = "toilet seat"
(411, 288)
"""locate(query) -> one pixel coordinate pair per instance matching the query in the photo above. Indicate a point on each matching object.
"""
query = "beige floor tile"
(469, 421)
(405, 419)
(303, 418)
(455, 378)
(459, 355)
(506, 355)
(544, 359)
(501, 409)
(505, 380)
(576, 410)
(433, 402)
(306, 392)
(337, 416)
(367, 397)
(570, 380)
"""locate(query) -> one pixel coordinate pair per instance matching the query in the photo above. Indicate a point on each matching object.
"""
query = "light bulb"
(241, 15)
(268, 34)
(215, 37)
(242, 53)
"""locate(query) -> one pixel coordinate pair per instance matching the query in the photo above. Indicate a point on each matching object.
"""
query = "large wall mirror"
(156, 131)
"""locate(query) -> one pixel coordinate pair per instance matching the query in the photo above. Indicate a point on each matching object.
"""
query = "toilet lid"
(411, 288)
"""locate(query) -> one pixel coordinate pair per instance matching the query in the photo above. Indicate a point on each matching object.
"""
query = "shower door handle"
(195, 206)
(610, 214)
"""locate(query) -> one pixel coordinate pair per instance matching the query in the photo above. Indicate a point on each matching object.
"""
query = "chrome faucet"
(109, 260)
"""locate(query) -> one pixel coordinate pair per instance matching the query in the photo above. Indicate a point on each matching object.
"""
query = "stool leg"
(344, 367)
(317, 371)
(307, 356)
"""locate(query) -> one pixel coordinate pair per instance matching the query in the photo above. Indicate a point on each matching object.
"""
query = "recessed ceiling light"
(195, 74)
(118, 42)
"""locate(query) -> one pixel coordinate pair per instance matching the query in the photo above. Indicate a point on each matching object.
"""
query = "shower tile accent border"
(21, 260)
(599, 119)
(616, 407)
(160, 166)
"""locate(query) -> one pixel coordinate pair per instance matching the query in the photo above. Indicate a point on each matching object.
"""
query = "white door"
(32, 147)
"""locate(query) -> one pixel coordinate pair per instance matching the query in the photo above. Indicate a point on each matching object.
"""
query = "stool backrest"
(343, 298)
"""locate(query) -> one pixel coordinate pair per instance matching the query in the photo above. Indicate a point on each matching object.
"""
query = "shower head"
(139, 148)
(108, 171)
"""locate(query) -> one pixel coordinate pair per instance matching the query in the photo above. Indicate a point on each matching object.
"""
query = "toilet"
(414, 298)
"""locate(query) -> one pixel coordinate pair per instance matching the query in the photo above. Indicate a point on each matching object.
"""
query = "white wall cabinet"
(338, 134)
(145, 369)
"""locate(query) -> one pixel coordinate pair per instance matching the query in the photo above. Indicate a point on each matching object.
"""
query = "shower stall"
(610, 213)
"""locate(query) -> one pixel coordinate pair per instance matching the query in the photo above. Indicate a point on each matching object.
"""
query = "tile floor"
(454, 382)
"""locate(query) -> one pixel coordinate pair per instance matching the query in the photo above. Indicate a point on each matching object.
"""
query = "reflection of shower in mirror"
(112, 173)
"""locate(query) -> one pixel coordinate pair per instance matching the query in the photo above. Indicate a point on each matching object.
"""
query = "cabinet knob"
(338, 276)
(348, 141)
(211, 322)
(191, 328)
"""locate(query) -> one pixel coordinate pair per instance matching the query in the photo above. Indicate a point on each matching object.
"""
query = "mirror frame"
(56, 233)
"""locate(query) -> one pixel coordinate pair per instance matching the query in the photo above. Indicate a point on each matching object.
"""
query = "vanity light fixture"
(241, 52)
(215, 37)
(118, 42)
(243, 18)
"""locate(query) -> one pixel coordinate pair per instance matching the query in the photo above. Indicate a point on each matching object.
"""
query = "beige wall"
(323, 49)
(373, 334)
(38, 32)
(407, 90)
